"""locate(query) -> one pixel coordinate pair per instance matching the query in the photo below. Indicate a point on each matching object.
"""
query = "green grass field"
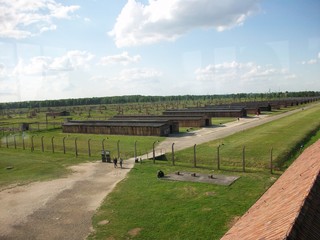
(144, 207)
(175, 210)
(26, 166)
(284, 136)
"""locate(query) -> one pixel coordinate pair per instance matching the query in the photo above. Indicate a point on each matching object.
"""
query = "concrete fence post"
(103, 144)
(218, 157)
(244, 159)
(23, 145)
(64, 145)
(135, 150)
(118, 148)
(271, 163)
(89, 148)
(153, 152)
(52, 144)
(42, 147)
(32, 143)
(173, 163)
(76, 146)
(15, 142)
(195, 155)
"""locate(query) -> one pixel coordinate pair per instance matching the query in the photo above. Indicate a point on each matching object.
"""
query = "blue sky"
(52, 49)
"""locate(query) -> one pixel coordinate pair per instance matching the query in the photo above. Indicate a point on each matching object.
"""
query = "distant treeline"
(145, 99)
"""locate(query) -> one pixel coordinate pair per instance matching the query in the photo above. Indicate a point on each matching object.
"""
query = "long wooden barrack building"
(123, 127)
(239, 112)
(183, 120)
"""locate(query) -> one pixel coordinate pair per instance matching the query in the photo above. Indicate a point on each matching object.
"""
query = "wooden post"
(194, 156)
(7, 144)
(173, 154)
(14, 140)
(243, 159)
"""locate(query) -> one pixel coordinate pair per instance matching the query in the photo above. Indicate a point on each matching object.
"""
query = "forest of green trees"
(145, 99)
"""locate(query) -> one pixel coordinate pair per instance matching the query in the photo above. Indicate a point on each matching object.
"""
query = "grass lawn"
(18, 166)
(144, 207)
(175, 210)
(21, 167)
(285, 136)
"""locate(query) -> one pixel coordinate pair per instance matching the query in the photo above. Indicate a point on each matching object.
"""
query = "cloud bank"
(122, 58)
(71, 61)
(25, 18)
(243, 73)
(166, 20)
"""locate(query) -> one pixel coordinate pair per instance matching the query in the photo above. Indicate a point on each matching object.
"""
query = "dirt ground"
(63, 208)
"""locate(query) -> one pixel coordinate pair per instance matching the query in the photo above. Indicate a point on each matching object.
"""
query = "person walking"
(115, 160)
(121, 162)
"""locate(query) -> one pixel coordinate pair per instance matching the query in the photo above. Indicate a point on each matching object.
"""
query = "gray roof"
(120, 123)
(160, 117)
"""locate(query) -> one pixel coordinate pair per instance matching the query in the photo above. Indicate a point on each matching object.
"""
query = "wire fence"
(72, 144)
(240, 159)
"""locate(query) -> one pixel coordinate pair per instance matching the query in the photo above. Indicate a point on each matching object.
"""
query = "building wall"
(118, 130)
(209, 114)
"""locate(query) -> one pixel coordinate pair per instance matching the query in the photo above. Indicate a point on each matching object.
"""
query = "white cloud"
(35, 66)
(138, 74)
(122, 58)
(130, 81)
(166, 20)
(311, 61)
(2, 70)
(22, 19)
(241, 73)
(72, 60)
(44, 77)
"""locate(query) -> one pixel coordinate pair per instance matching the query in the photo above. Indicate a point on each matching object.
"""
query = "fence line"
(240, 161)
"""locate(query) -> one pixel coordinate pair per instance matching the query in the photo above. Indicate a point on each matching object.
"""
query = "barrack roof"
(290, 208)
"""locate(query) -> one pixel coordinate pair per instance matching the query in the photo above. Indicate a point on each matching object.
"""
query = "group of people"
(115, 162)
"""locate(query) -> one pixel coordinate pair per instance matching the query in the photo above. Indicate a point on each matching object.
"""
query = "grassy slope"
(177, 210)
(284, 136)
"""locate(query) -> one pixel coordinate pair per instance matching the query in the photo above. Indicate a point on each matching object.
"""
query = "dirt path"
(63, 208)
